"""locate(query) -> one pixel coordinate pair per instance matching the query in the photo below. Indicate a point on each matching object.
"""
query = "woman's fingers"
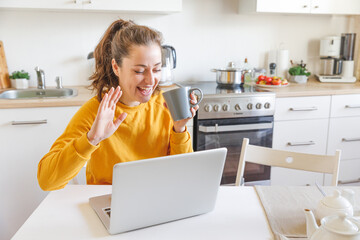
(120, 119)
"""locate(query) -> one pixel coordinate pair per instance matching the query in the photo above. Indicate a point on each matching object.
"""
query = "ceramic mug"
(178, 102)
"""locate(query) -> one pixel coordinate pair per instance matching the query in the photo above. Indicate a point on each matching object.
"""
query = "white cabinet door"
(351, 7)
(283, 6)
(344, 134)
(134, 5)
(22, 147)
(335, 7)
(349, 172)
(42, 4)
(154, 6)
(306, 136)
(296, 108)
(345, 105)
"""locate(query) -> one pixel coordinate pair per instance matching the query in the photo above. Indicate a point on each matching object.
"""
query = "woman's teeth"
(145, 90)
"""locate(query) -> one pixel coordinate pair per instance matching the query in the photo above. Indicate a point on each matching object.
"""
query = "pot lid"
(336, 201)
(340, 223)
(230, 68)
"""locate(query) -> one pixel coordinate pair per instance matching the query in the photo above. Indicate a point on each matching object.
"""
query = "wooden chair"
(287, 159)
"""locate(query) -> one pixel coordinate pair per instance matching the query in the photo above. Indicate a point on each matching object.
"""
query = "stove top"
(225, 102)
(212, 88)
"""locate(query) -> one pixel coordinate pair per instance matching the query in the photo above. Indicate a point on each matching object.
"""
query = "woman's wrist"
(92, 139)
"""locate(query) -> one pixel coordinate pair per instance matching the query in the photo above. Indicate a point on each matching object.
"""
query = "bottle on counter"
(247, 76)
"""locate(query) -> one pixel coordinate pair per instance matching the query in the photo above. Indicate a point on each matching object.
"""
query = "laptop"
(159, 190)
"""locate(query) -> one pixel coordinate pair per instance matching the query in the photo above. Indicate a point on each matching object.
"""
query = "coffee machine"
(337, 58)
(168, 59)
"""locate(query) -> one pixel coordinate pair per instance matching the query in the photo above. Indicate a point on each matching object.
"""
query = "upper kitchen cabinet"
(345, 7)
(141, 6)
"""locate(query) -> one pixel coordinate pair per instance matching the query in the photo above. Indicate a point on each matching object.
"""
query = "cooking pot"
(230, 76)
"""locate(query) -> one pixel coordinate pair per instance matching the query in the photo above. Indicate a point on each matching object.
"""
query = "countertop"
(312, 88)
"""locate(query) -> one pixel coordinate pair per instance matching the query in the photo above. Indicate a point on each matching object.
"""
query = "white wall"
(206, 34)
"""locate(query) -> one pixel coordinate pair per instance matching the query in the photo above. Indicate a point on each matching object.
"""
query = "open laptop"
(158, 190)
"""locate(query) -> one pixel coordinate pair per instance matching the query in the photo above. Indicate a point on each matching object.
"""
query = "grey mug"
(178, 102)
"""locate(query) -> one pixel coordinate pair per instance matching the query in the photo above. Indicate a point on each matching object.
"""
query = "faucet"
(40, 77)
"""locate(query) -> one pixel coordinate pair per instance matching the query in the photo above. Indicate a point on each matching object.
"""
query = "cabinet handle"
(316, 7)
(88, 1)
(304, 109)
(29, 122)
(352, 106)
(349, 181)
(350, 139)
(305, 6)
(301, 143)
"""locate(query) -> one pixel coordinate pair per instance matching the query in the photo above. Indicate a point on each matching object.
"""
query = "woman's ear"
(115, 67)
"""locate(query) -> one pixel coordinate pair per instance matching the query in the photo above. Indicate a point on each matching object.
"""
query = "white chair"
(287, 159)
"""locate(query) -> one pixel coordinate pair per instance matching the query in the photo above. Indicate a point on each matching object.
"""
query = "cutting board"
(4, 73)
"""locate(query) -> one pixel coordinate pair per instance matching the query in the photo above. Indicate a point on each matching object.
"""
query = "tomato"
(261, 77)
(268, 79)
(276, 82)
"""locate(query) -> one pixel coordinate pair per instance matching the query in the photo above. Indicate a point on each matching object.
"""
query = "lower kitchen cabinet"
(306, 136)
(26, 135)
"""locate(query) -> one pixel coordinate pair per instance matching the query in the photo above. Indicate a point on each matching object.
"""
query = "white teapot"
(335, 227)
(334, 204)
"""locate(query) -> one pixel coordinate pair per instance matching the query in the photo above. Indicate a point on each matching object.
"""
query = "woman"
(129, 122)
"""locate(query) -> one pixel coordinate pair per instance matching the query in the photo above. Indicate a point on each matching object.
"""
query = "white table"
(66, 214)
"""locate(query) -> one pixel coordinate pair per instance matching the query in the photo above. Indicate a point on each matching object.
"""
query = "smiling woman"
(127, 121)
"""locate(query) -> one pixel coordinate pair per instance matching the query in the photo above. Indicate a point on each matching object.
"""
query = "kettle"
(168, 59)
(334, 227)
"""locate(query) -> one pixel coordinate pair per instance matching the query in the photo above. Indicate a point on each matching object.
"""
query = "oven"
(225, 117)
(229, 133)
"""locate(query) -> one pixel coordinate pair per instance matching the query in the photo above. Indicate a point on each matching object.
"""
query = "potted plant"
(20, 79)
(299, 73)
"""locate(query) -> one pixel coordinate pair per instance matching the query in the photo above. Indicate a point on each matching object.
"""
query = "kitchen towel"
(282, 63)
(284, 206)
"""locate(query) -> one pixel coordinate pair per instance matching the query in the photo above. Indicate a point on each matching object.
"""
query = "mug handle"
(201, 96)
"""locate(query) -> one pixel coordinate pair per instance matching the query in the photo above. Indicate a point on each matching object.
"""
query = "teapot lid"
(340, 223)
(336, 201)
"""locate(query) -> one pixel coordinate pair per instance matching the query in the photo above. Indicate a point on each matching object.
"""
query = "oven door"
(229, 133)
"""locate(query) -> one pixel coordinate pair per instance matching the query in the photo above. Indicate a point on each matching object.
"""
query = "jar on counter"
(256, 73)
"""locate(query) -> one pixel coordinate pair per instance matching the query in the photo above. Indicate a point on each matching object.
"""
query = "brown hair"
(116, 43)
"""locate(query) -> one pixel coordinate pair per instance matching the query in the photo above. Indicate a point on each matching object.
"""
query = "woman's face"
(139, 74)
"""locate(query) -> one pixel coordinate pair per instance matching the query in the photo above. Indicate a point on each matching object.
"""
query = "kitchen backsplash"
(206, 34)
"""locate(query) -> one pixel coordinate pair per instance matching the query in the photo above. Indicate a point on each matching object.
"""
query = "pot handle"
(213, 70)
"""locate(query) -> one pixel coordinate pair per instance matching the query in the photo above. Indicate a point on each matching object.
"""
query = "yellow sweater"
(146, 132)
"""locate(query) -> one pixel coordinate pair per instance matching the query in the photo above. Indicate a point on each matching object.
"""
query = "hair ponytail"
(104, 78)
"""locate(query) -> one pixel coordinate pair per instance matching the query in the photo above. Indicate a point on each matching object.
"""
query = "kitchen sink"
(38, 93)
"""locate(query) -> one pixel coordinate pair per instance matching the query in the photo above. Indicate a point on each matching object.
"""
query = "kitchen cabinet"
(300, 125)
(345, 7)
(26, 135)
(344, 134)
(155, 6)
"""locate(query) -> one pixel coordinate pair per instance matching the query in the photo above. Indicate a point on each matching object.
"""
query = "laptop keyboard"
(107, 211)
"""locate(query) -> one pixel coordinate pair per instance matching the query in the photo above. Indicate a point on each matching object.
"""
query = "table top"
(66, 214)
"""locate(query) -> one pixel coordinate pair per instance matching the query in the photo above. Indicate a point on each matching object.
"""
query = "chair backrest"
(287, 159)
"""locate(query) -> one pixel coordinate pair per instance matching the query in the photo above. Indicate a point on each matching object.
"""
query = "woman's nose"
(150, 78)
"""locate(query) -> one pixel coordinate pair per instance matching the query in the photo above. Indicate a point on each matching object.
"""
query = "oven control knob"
(267, 105)
(225, 107)
(237, 107)
(216, 107)
(250, 106)
(258, 106)
(207, 108)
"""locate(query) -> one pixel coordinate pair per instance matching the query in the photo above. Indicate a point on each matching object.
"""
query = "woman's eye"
(139, 72)
(157, 70)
